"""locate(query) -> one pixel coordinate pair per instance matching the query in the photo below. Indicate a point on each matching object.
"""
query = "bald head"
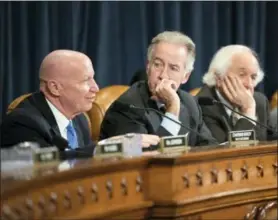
(59, 64)
(67, 81)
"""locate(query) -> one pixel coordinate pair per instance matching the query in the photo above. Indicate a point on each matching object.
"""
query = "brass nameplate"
(46, 155)
(174, 144)
(242, 138)
(110, 150)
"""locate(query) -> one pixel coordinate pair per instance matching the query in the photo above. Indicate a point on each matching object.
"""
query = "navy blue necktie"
(71, 136)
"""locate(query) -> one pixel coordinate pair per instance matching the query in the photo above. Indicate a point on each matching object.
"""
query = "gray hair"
(175, 37)
(221, 61)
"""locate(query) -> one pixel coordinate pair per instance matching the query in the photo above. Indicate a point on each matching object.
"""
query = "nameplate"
(129, 145)
(46, 155)
(174, 144)
(116, 148)
(242, 138)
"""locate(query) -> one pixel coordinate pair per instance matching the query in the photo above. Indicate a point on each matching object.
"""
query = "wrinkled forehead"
(245, 61)
(170, 52)
(79, 69)
(88, 65)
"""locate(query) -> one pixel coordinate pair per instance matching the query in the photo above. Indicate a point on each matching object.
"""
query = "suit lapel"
(215, 111)
(40, 103)
(153, 118)
(185, 119)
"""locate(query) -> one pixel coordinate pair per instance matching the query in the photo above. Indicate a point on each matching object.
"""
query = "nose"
(163, 73)
(248, 83)
(94, 86)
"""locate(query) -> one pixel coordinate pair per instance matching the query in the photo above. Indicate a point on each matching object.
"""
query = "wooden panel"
(220, 183)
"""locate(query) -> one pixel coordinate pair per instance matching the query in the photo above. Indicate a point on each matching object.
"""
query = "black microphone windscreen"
(205, 101)
(60, 142)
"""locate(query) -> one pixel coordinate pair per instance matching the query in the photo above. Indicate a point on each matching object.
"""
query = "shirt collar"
(159, 104)
(61, 119)
(222, 99)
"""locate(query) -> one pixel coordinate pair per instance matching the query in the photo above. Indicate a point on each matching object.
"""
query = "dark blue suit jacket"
(33, 120)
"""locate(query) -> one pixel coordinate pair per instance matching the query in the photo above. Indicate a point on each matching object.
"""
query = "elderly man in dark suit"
(170, 62)
(67, 90)
(232, 77)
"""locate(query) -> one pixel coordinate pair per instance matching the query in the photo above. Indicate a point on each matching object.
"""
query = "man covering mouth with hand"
(171, 57)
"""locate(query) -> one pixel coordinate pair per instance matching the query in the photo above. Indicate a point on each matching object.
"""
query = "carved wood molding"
(189, 185)
(63, 200)
(237, 172)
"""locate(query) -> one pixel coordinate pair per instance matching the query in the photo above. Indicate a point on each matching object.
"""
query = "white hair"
(222, 60)
(175, 37)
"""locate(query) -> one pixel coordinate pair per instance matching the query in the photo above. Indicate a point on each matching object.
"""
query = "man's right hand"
(238, 95)
(149, 139)
(166, 91)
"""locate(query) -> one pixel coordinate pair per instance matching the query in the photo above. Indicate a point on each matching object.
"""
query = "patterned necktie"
(71, 136)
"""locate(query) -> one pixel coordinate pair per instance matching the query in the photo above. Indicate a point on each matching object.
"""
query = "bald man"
(55, 113)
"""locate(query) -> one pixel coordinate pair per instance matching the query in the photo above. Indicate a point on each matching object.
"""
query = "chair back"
(274, 100)
(195, 91)
(17, 101)
(104, 98)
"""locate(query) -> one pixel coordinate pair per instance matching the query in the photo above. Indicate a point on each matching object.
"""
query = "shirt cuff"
(172, 127)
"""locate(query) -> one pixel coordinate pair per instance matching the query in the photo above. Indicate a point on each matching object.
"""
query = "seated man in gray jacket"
(232, 76)
(170, 62)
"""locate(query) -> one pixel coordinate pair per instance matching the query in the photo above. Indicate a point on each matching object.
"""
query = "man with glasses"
(171, 57)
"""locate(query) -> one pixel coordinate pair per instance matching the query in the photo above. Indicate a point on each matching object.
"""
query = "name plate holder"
(46, 155)
(174, 144)
(242, 138)
(129, 145)
(33, 152)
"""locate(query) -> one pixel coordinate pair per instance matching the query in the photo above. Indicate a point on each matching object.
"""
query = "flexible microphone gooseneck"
(130, 106)
(211, 101)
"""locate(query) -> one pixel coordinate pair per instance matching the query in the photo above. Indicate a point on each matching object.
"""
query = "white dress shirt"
(172, 127)
(61, 120)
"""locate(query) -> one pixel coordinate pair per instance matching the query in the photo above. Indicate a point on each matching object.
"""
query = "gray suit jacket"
(119, 121)
(217, 119)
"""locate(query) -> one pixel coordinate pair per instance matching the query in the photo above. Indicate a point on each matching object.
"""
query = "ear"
(54, 87)
(147, 67)
(186, 77)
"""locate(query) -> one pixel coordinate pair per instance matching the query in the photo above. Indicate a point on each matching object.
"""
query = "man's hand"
(238, 95)
(166, 93)
(149, 139)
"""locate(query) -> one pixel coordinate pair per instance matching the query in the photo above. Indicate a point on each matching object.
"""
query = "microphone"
(60, 142)
(211, 101)
(127, 106)
(67, 153)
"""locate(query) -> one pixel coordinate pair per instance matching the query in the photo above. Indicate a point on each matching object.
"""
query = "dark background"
(115, 35)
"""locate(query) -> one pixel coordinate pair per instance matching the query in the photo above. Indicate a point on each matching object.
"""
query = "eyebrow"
(174, 65)
(243, 68)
